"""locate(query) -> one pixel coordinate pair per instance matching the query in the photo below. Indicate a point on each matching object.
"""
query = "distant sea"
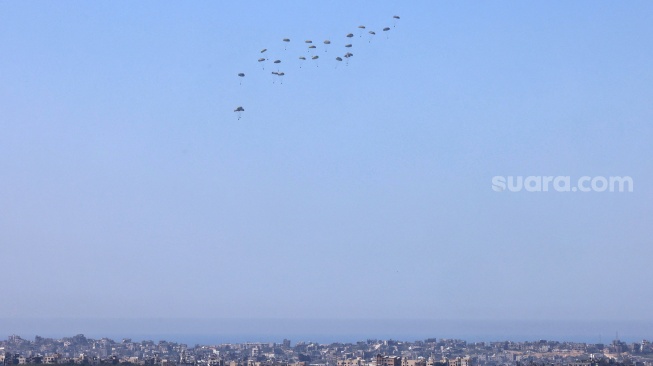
(217, 331)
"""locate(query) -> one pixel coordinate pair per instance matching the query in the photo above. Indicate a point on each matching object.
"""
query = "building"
(460, 361)
(418, 362)
(351, 362)
(388, 360)
(51, 359)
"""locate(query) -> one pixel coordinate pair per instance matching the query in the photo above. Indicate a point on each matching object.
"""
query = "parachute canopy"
(386, 29)
(263, 50)
(327, 42)
(239, 110)
(241, 74)
(348, 45)
(350, 35)
(286, 39)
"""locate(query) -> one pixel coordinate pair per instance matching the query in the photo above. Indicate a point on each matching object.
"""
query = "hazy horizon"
(201, 331)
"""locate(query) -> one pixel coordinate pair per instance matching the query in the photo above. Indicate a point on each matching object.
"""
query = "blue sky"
(129, 188)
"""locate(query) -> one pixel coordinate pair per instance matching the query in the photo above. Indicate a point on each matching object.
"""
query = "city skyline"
(200, 331)
(432, 351)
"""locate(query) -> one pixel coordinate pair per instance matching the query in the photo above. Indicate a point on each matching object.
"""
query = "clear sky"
(129, 188)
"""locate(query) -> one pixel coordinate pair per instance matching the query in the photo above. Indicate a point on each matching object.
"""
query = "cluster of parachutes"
(278, 75)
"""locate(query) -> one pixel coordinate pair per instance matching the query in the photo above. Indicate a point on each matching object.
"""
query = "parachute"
(347, 56)
(285, 40)
(348, 45)
(263, 50)
(326, 44)
(360, 30)
(311, 49)
(239, 110)
(242, 75)
(372, 34)
(350, 35)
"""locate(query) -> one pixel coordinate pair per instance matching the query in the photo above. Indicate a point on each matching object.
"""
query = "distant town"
(80, 350)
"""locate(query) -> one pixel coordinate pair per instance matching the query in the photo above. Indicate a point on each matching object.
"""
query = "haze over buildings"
(371, 352)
